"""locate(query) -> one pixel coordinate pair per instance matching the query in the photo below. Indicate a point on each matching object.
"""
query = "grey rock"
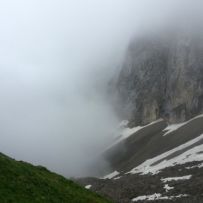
(162, 77)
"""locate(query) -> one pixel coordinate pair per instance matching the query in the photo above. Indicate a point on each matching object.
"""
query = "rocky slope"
(155, 162)
(162, 77)
(158, 156)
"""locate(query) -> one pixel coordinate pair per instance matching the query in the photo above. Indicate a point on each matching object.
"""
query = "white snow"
(147, 197)
(179, 196)
(123, 123)
(191, 167)
(156, 196)
(88, 186)
(200, 116)
(200, 165)
(194, 154)
(164, 180)
(157, 121)
(167, 187)
(174, 127)
(111, 175)
(196, 166)
(117, 178)
(128, 132)
(125, 132)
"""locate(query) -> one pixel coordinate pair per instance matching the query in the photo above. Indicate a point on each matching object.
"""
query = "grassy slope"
(21, 182)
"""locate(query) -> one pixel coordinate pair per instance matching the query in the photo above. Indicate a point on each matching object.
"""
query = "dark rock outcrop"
(162, 77)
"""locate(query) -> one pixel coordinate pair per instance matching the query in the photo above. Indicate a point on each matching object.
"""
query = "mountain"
(162, 76)
(21, 182)
(158, 155)
(157, 162)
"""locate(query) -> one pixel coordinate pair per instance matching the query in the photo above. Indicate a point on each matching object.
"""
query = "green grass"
(21, 182)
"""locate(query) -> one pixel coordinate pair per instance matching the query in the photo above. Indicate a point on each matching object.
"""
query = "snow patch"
(88, 187)
(194, 154)
(174, 127)
(125, 132)
(164, 180)
(200, 116)
(147, 197)
(167, 187)
(111, 175)
(196, 166)
(117, 178)
(200, 165)
(156, 196)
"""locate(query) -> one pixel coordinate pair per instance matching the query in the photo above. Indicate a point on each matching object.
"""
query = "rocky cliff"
(151, 159)
(162, 77)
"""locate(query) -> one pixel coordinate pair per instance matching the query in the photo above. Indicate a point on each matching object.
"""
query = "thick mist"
(56, 61)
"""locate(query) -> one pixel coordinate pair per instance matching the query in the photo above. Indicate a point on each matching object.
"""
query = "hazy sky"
(54, 56)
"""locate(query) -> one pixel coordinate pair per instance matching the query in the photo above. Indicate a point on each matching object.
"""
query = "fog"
(56, 61)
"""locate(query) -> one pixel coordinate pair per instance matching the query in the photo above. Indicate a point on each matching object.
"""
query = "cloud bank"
(56, 58)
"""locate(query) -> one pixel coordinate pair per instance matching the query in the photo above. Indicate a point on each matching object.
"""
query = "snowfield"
(193, 154)
(164, 180)
(163, 173)
(88, 187)
(167, 188)
(125, 132)
(196, 166)
(172, 128)
(111, 175)
(156, 196)
(175, 127)
(117, 178)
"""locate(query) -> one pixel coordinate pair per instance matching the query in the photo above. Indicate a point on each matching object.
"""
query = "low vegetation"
(21, 182)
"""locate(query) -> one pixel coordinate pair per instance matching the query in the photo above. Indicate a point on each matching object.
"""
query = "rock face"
(162, 77)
